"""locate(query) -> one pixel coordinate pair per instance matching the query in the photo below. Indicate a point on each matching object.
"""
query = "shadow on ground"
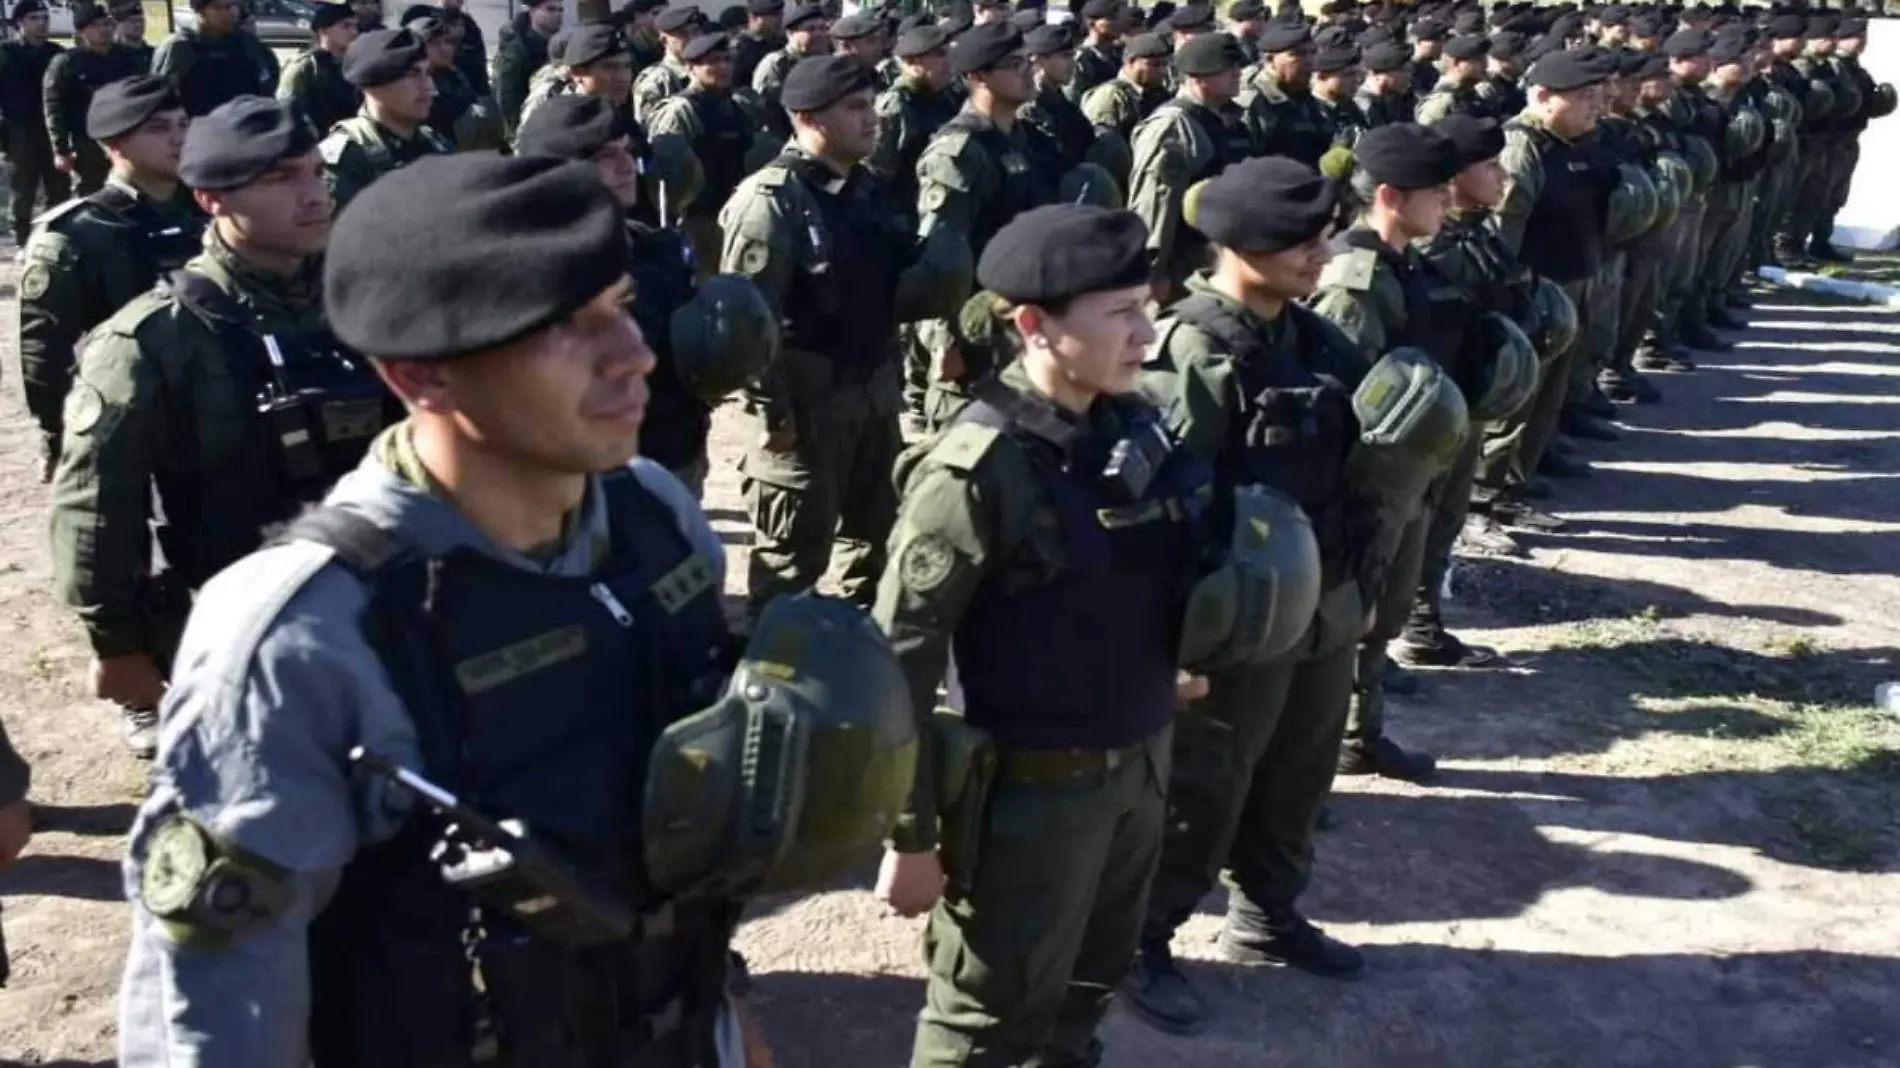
(55, 875)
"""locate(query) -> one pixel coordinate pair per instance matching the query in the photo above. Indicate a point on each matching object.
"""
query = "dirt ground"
(1665, 836)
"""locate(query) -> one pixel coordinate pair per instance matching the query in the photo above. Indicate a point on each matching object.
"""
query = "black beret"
(981, 47)
(1468, 47)
(1852, 27)
(764, 7)
(1387, 56)
(1655, 65)
(1787, 27)
(1630, 63)
(1148, 46)
(1049, 254)
(1468, 22)
(23, 8)
(921, 41)
(1600, 61)
(381, 57)
(1688, 44)
(241, 139)
(1613, 15)
(591, 42)
(1266, 204)
(1333, 59)
(1048, 39)
(677, 20)
(702, 46)
(1029, 18)
(731, 17)
(855, 25)
(1823, 25)
(454, 255)
(802, 14)
(817, 82)
(1208, 54)
(1191, 17)
(1242, 10)
(1373, 35)
(1563, 72)
(409, 14)
(122, 106)
(1102, 9)
(325, 15)
(85, 15)
(571, 126)
(1406, 155)
(1284, 36)
(427, 28)
(128, 9)
(1728, 50)
(1476, 139)
(1430, 30)
(1508, 44)
(641, 7)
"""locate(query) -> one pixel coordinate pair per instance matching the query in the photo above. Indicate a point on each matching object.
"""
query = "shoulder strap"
(113, 198)
(1205, 314)
(359, 544)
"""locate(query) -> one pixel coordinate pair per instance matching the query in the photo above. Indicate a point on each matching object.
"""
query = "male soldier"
(1189, 139)
(468, 121)
(1658, 111)
(1652, 256)
(314, 80)
(521, 48)
(1877, 101)
(71, 79)
(278, 412)
(1099, 57)
(1120, 103)
(1503, 91)
(1457, 89)
(1246, 21)
(594, 59)
(1260, 388)
(708, 122)
(1335, 81)
(1834, 133)
(23, 65)
(816, 231)
(493, 292)
(215, 61)
(471, 52)
(128, 34)
(860, 35)
(637, 22)
(912, 111)
(1699, 121)
(1190, 21)
(1428, 44)
(1797, 75)
(764, 34)
(678, 26)
(91, 256)
(1726, 222)
(806, 34)
(392, 132)
(1279, 104)
(1386, 97)
(1051, 51)
(1382, 292)
(369, 14)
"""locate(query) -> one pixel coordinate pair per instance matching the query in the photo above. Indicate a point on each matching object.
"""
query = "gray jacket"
(274, 683)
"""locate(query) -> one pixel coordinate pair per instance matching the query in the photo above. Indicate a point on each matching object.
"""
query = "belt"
(1055, 767)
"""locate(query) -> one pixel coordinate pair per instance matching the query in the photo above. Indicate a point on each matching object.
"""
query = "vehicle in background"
(280, 23)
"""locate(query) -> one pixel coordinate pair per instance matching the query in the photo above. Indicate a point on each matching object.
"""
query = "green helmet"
(1848, 100)
(1556, 318)
(1260, 601)
(1744, 134)
(1513, 377)
(676, 176)
(798, 771)
(479, 128)
(938, 280)
(1821, 103)
(1089, 183)
(1632, 205)
(1673, 181)
(724, 337)
(1412, 419)
(1110, 152)
(1703, 162)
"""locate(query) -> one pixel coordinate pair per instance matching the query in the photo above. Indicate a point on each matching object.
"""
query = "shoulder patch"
(332, 147)
(925, 562)
(35, 280)
(1351, 270)
(58, 211)
(963, 446)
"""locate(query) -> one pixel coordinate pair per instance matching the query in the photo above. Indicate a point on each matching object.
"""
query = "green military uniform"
(909, 114)
(71, 79)
(725, 141)
(459, 113)
(1183, 142)
(1726, 222)
(748, 49)
(29, 151)
(1654, 328)
(1286, 121)
(1343, 118)
(1048, 874)
(1699, 122)
(1095, 64)
(1062, 121)
(668, 77)
(314, 81)
(518, 56)
(1450, 98)
(1384, 109)
(1873, 105)
(1119, 105)
(360, 150)
(1818, 141)
(1503, 96)
(87, 259)
(767, 81)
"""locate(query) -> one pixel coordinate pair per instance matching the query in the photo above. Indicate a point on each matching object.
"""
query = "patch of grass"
(1827, 838)
(1792, 646)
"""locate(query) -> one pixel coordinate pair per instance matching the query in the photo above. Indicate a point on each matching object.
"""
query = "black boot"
(1586, 427)
(1383, 757)
(1438, 647)
(1290, 941)
(1509, 512)
(1699, 336)
(1397, 681)
(1822, 249)
(1161, 996)
(1723, 319)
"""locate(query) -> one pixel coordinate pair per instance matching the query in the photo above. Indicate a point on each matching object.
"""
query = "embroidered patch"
(84, 406)
(482, 673)
(677, 588)
(35, 281)
(926, 562)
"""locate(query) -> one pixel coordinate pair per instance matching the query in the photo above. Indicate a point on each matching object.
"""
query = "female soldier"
(1046, 532)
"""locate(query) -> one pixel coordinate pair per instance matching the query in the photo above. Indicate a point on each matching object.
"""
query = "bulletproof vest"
(674, 432)
(747, 50)
(222, 71)
(839, 302)
(1440, 317)
(1082, 656)
(1344, 122)
(1094, 66)
(1465, 100)
(157, 245)
(310, 409)
(453, 97)
(724, 135)
(1499, 281)
(335, 99)
(90, 70)
(1425, 75)
(1232, 141)
(1503, 97)
(1295, 426)
(534, 697)
(1385, 110)
(1563, 238)
(1063, 122)
(21, 78)
(924, 114)
(364, 133)
(1296, 128)
(1032, 167)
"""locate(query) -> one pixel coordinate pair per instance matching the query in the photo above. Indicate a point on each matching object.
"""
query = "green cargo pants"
(1038, 928)
(1599, 329)
(1513, 446)
(1442, 528)
(1678, 311)
(834, 482)
(1809, 200)
(1365, 719)
(1771, 206)
(1253, 762)
(1734, 204)
(1840, 181)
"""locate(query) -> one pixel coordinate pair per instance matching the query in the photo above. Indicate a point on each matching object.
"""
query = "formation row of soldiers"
(1382, 324)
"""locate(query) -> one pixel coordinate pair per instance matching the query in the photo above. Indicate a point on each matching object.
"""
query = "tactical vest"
(1232, 142)
(1295, 426)
(311, 408)
(90, 71)
(1440, 317)
(1063, 122)
(333, 98)
(1563, 238)
(221, 71)
(1503, 284)
(1084, 658)
(534, 697)
(453, 97)
(1031, 166)
(364, 132)
(674, 431)
(724, 136)
(155, 244)
(1293, 126)
(839, 301)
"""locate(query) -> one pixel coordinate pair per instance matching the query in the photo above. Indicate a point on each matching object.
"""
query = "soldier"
(1189, 139)
(762, 36)
(709, 123)
(1246, 21)
(1725, 224)
(860, 35)
(816, 231)
(1699, 121)
(1503, 91)
(1386, 97)
(471, 52)
(71, 79)
(128, 34)
(91, 256)
(678, 26)
(1278, 102)
(1652, 256)
(1457, 88)
(369, 14)
(1335, 81)
(391, 69)
(1122, 102)
(1261, 389)
(1428, 44)
(806, 34)
(1834, 135)
(1051, 51)
(1657, 110)
(1877, 101)
(912, 111)
(521, 49)
(1099, 57)
(279, 411)
(1793, 74)
(1190, 21)
(29, 151)
(214, 61)
(638, 22)
(1052, 902)
(314, 80)
(456, 112)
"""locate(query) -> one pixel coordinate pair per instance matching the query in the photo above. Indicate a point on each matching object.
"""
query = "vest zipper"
(606, 597)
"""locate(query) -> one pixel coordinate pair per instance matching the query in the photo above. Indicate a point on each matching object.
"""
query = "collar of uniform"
(1404, 261)
(817, 173)
(1273, 330)
(1016, 378)
(260, 291)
